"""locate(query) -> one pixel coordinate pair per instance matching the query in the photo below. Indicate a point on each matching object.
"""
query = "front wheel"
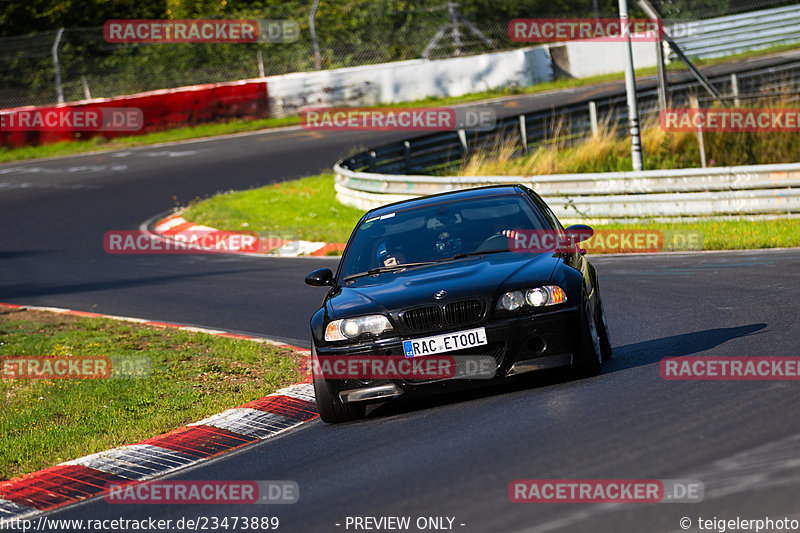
(590, 356)
(331, 408)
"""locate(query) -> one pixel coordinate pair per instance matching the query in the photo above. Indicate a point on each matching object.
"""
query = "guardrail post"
(523, 134)
(371, 162)
(695, 106)
(735, 89)
(407, 155)
(462, 136)
(593, 118)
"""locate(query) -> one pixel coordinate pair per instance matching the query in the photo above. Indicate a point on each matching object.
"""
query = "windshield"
(437, 232)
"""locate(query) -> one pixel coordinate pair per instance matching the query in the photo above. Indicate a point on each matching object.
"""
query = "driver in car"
(389, 257)
(505, 228)
(445, 226)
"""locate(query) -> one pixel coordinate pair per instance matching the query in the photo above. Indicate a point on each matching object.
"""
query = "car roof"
(449, 196)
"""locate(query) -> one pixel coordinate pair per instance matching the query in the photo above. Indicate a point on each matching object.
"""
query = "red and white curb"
(86, 477)
(175, 226)
(195, 329)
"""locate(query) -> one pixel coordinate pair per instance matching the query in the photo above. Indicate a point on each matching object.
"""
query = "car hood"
(482, 276)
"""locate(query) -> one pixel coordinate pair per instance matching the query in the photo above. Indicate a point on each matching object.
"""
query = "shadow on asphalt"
(652, 351)
(628, 356)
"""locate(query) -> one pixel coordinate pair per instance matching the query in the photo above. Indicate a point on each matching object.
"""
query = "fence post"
(407, 155)
(695, 106)
(523, 134)
(85, 84)
(312, 27)
(462, 136)
(735, 89)
(59, 89)
(451, 11)
(630, 90)
(260, 65)
(593, 118)
(661, 69)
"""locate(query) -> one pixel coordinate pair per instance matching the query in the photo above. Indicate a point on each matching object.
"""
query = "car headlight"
(535, 297)
(351, 328)
(511, 301)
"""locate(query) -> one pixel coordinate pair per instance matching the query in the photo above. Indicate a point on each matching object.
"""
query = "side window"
(545, 209)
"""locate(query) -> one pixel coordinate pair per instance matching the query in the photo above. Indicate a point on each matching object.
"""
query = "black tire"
(331, 409)
(590, 357)
(602, 328)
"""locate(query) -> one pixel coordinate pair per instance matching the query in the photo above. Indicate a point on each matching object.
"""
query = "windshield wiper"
(471, 254)
(388, 268)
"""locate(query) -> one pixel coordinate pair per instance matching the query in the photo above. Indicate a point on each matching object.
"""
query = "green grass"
(304, 209)
(239, 126)
(307, 209)
(194, 375)
(728, 234)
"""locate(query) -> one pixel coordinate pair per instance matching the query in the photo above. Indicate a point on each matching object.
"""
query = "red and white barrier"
(162, 109)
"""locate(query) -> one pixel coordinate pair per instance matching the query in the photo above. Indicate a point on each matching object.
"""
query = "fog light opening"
(537, 345)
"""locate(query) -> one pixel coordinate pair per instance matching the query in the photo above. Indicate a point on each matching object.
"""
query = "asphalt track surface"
(450, 456)
(55, 212)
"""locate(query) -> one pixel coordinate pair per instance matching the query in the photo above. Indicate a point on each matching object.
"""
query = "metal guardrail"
(398, 170)
(723, 191)
(723, 36)
(437, 152)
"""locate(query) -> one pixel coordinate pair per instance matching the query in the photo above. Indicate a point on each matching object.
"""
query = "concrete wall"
(408, 80)
(584, 59)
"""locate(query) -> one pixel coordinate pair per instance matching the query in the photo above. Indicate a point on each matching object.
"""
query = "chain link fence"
(375, 32)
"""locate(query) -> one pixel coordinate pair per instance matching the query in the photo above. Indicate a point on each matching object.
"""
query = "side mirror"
(320, 278)
(580, 232)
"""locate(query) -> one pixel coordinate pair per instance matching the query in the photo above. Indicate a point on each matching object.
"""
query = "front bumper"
(518, 344)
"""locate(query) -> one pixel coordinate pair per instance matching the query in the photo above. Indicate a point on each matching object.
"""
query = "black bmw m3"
(442, 275)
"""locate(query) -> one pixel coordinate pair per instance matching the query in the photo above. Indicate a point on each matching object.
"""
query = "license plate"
(445, 343)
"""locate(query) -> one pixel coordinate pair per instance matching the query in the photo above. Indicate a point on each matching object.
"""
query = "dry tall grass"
(608, 151)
